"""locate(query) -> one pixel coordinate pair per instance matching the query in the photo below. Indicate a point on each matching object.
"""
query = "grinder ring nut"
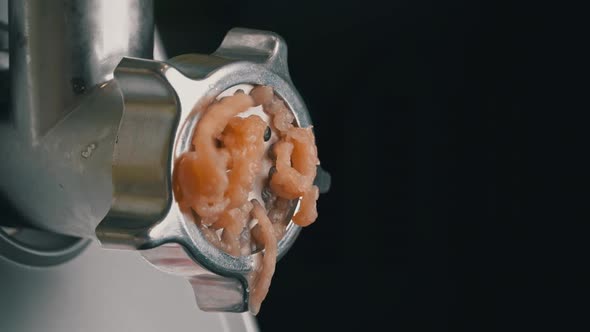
(156, 128)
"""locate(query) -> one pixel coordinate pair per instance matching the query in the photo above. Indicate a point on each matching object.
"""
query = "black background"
(446, 126)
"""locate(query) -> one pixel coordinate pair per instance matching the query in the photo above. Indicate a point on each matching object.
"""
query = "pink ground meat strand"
(216, 177)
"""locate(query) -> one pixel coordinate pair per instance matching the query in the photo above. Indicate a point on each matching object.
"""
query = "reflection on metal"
(104, 290)
(159, 49)
(61, 127)
(30, 247)
(60, 50)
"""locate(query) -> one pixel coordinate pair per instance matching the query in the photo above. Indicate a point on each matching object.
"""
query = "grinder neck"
(61, 50)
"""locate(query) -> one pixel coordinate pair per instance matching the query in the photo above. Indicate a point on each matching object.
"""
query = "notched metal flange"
(163, 101)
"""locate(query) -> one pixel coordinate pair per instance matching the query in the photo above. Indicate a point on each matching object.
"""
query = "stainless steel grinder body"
(94, 126)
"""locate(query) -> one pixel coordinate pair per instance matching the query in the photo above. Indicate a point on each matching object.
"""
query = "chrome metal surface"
(159, 49)
(60, 50)
(162, 106)
(61, 127)
(30, 247)
(63, 183)
(66, 172)
(104, 290)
